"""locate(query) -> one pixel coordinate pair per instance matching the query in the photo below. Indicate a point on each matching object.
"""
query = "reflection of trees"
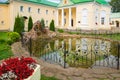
(114, 48)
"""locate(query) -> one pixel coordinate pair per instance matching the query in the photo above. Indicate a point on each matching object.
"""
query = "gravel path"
(69, 73)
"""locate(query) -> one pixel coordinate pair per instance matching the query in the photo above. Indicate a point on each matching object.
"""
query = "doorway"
(72, 22)
(117, 24)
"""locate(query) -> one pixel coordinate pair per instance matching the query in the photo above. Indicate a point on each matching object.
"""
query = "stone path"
(70, 73)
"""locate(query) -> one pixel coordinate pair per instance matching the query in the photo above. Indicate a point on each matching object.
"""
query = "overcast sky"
(57, 1)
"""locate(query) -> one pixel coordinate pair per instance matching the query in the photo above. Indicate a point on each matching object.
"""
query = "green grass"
(115, 36)
(5, 49)
(47, 78)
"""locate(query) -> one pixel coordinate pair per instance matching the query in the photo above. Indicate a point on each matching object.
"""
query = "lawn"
(5, 49)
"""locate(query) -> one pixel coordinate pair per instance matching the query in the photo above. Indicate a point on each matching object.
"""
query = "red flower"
(19, 66)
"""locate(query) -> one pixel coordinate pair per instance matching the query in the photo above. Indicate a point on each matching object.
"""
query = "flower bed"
(17, 68)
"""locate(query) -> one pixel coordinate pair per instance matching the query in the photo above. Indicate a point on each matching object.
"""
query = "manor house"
(68, 14)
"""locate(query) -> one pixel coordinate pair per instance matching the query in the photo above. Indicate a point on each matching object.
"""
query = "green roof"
(115, 15)
(83, 1)
(44, 2)
(48, 3)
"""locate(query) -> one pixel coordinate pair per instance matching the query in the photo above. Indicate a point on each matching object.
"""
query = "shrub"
(52, 25)
(19, 24)
(20, 68)
(30, 23)
(42, 24)
(60, 30)
(13, 36)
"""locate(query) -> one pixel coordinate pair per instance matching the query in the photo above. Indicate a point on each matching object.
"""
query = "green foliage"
(19, 24)
(52, 26)
(60, 30)
(13, 36)
(5, 49)
(42, 23)
(30, 23)
(115, 5)
(47, 78)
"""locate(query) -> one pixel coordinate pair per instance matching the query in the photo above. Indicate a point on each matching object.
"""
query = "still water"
(77, 52)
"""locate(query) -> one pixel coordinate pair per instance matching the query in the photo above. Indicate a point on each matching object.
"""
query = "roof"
(83, 1)
(44, 2)
(48, 3)
(115, 15)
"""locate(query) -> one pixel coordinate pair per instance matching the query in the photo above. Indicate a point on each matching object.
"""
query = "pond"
(77, 52)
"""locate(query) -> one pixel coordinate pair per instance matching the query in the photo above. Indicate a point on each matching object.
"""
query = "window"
(84, 16)
(64, 13)
(21, 8)
(64, 21)
(38, 11)
(103, 20)
(2, 22)
(65, 1)
(103, 14)
(96, 16)
(53, 12)
(29, 9)
(46, 22)
(46, 11)
(112, 22)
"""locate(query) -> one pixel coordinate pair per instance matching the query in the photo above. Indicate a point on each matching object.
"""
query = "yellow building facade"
(68, 14)
(115, 20)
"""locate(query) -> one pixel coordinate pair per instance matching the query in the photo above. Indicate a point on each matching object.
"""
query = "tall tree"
(115, 5)
(19, 24)
(52, 25)
(30, 23)
(42, 23)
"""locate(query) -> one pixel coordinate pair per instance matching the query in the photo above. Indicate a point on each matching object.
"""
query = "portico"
(67, 17)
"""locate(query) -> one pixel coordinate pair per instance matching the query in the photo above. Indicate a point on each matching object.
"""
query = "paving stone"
(85, 75)
(115, 75)
(49, 74)
(61, 77)
(91, 79)
(76, 78)
(99, 76)
(117, 79)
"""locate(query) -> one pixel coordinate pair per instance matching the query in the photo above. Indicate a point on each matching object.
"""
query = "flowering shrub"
(18, 68)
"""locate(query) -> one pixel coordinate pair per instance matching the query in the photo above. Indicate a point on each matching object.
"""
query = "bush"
(10, 42)
(52, 26)
(19, 24)
(42, 24)
(60, 30)
(30, 23)
(13, 36)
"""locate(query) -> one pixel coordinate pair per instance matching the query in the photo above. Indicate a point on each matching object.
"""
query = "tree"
(42, 24)
(30, 23)
(115, 5)
(19, 24)
(52, 25)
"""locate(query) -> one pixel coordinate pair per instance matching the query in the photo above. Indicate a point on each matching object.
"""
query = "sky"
(57, 1)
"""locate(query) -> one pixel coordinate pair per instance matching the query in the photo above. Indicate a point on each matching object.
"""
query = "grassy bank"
(110, 36)
(5, 49)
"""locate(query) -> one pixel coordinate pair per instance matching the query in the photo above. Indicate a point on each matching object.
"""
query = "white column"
(70, 14)
(62, 19)
(57, 22)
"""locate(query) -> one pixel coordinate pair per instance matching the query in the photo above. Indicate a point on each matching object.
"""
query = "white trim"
(62, 19)
(70, 14)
